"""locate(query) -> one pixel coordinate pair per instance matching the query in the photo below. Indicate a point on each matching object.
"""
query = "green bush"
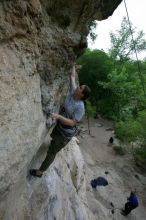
(132, 130)
(90, 109)
(129, 130)
(141, 152)
(142, 120)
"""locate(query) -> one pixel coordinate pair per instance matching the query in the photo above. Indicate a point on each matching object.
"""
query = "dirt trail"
(122, 174)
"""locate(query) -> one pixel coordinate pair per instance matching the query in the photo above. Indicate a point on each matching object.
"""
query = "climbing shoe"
(34, 172)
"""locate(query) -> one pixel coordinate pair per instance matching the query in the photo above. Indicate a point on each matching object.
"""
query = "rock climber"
(71, 113)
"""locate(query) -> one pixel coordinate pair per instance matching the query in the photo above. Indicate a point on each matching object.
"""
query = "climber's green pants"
(57, 143)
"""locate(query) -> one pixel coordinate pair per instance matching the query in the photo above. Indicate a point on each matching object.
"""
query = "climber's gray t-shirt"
(72, 109)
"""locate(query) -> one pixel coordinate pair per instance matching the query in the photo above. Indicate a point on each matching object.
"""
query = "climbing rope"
(139, 70)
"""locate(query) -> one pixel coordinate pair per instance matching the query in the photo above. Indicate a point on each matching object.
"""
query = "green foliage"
(133, 129)
(141, 152)
(116, 92)
(122, 43)
(96, 65)
(127, 81)
(142, 120)
(124, 89)
(90, 110)
(92, 27)
(117, 83)
(116, 89)
(128, 130)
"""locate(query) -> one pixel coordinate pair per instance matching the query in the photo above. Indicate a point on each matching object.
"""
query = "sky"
(137, 15)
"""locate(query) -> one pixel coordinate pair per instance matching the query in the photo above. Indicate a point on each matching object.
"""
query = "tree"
(125, 90)
(122, 44)
(116, 81)
(96, 65)
(92, 34)
(133, 83)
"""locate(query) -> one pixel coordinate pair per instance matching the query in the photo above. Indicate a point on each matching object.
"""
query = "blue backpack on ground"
(100, 181)
(133, 199)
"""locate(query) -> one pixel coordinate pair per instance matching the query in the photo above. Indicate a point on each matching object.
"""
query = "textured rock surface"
(61, 194)
(39, 41)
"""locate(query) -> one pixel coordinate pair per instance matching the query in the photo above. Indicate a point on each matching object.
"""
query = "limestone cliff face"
(39, 41)
(60, 194)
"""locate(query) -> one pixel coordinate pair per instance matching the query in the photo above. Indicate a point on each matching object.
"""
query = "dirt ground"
(120, 171)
